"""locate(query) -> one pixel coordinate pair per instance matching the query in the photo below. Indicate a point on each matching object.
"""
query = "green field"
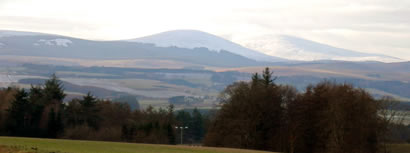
(72, 146)
(35, 145)
(400, 148)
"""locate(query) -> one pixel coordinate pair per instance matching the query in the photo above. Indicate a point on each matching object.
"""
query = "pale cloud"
(374, 26)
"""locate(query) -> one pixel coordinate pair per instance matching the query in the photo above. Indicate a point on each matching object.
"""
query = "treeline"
(40, 112)
(260, 114)
(325, 118)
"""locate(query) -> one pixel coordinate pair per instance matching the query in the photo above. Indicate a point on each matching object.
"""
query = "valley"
(180, 63)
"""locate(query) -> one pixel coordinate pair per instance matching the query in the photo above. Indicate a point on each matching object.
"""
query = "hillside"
(54, 46)
(196, 39)
(187, 46)
(295, 48)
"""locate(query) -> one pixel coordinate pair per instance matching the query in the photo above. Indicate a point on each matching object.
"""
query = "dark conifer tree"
(90, 110)
(171, 134)
(36, 99)
(52, 125)
(53, 89)
(53, 96)
(19, 114)
(169, 125)
(198, 128)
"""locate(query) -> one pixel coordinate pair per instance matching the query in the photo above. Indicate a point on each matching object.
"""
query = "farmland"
(72, 146)
(20, 145)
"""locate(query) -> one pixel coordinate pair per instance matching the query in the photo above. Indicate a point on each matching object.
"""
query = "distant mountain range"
(296, 61)
(183, 46)
(55, 46)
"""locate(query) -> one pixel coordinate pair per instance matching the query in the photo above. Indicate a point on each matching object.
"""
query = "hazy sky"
(373, 26)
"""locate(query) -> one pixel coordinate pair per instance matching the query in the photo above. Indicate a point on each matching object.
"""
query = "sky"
(372, 26)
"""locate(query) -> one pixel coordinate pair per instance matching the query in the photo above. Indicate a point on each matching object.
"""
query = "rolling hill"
(295, 48)
(55, 46)
(195, 39)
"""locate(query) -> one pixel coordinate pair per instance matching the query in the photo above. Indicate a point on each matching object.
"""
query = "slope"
(295, 48)
(196, 39)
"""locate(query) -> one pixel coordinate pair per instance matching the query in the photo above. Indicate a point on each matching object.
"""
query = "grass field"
(400, 148)
(35, 145)
(13, 144)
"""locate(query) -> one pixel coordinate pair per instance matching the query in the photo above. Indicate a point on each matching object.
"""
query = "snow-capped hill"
(185, 39)
(295, 48)
(196, 39)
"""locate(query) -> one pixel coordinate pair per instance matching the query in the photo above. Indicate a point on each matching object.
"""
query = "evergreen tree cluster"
(37, 113)
(195, 123)
(41, 112)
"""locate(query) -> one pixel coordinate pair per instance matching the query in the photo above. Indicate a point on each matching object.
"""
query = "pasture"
(19, 145)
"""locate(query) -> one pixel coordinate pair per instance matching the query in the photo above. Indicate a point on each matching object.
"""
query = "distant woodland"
(327, 117)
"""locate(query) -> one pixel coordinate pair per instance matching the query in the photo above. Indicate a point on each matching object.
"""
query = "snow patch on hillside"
(54, 42)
